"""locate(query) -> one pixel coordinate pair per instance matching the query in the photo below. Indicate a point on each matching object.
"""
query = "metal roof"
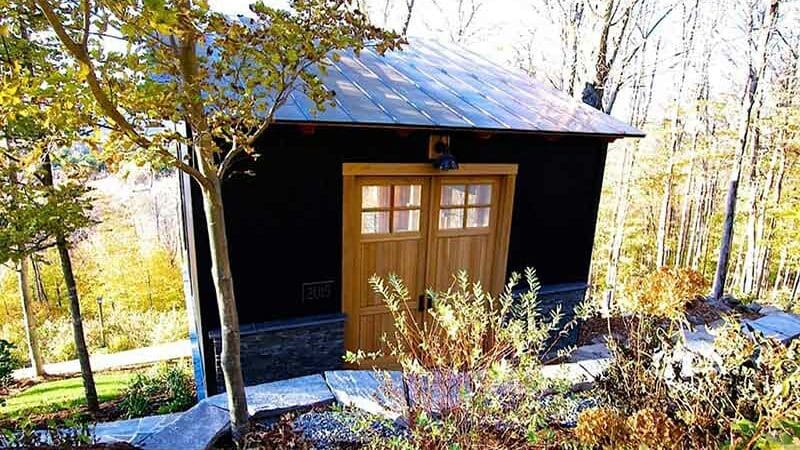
(436, 85)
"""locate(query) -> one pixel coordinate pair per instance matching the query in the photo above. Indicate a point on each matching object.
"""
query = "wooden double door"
(423, 225)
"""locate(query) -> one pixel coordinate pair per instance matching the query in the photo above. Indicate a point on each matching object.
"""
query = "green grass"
(52, 396)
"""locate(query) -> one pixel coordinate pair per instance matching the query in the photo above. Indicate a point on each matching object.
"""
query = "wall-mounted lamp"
(439, 152)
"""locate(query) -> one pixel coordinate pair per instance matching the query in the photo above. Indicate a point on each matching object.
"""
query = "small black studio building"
(433, 160)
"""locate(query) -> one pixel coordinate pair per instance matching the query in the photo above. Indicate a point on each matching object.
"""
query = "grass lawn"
(52, 396)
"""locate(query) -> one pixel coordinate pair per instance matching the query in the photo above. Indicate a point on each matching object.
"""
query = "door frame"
(351, 228)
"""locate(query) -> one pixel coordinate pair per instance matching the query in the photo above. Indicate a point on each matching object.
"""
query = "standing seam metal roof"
(438, 85)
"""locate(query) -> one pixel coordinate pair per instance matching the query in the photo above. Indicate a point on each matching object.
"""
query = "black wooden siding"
(285, 223)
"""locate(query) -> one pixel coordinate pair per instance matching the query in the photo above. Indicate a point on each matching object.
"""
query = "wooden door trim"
(503, 236)
(422, 169)
(350, 235)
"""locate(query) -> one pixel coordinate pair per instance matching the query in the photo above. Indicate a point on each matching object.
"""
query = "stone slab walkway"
(199, 427)
(780, 325)
(120, 360)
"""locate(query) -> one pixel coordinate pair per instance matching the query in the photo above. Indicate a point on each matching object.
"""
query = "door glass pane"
(451, 218)
(453, 194)
(406, 220)
(480, 194)
(375, 196)
(478, 217)
(374, 222)
(406, 196)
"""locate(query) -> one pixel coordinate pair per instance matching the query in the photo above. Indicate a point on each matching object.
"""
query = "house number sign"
(317, 291)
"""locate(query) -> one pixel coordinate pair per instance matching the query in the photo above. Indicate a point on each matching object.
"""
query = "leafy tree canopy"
(153, 64)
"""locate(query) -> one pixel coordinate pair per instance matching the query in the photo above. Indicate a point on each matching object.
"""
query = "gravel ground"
(345, 430)
(334, 430)
(568, 408)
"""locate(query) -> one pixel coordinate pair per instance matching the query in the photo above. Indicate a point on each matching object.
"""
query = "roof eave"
(414, 127)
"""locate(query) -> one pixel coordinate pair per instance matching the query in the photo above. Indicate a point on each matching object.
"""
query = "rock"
(118, 431)
(592, 351)
(376, 392)
(329, 430)
(151, 425)
(275, 398)
(769, 310)
(571, 372)
(753, 307)
(196, 429)
(782, 326)
(579, 374)
(564, 410)
(595, 367)
(701, 333)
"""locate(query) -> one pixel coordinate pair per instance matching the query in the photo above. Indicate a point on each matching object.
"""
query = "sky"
(501, 26)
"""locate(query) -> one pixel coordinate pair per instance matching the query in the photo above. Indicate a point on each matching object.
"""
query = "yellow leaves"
(663, 293)
(83, 71)
(608, 428)
(4, 30)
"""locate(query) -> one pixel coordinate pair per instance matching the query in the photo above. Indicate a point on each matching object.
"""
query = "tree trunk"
(74, 304)
(211, 188)
(226, 303)
(779, 274)
(38, 282)
(730, 205)
(37, 364)
(594, 92)
(77, 326)
(727, 240)
(577, 18)
(681, 253)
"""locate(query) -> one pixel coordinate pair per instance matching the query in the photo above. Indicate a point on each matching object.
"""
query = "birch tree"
(224, 79)
(459, 18)
(756, 69)
(641, 102)
(688, 29)
(625, 25)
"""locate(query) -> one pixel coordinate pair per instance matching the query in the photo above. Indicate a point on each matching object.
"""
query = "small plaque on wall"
(317, 291)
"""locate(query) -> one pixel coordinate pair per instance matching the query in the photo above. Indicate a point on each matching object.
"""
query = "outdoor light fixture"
(439, 151)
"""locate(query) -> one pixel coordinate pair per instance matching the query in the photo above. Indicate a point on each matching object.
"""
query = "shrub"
(472, 366)
(68, 435)
(746, 395)
(662, 294)
(6, 363)
(165, 388)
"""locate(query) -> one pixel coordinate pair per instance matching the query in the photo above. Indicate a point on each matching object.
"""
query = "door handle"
(424, 303)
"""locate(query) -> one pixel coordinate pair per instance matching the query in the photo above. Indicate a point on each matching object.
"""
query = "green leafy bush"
(165, 388)
(472, 366)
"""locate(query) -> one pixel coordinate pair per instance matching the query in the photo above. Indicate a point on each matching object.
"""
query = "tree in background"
(755, 69)
(224, 78)
(32, 215)
(40, 115)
